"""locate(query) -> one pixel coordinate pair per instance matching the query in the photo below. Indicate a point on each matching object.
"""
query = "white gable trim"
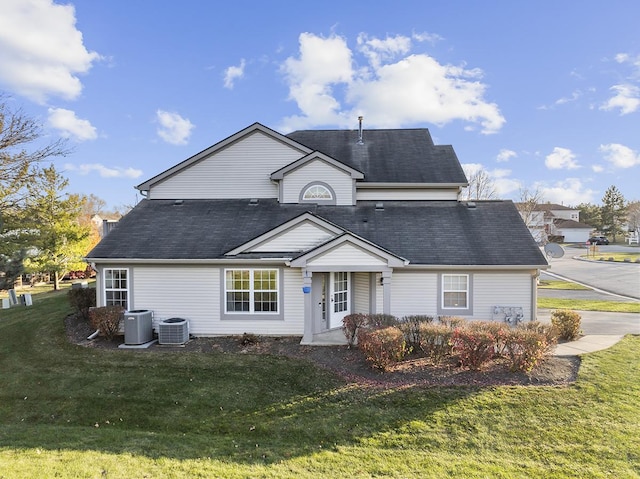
(256, 127)
(380, 258)
(284, 228)
(316, 155)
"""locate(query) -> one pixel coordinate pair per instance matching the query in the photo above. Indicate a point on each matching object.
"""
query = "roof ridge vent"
(178, 202)
(253, 202)
(360, 140)
(471, 204)
(379, 206)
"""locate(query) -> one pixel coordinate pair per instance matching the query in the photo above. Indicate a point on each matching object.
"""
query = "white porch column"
(307, 338)
(386, 292)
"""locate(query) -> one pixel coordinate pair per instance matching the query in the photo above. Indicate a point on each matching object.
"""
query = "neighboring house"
(549, 220)
(277, 234)
(104, 224)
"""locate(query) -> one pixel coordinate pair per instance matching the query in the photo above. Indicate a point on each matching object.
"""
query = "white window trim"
(127, 289)
(458, 311)
(252, 313)
(320, 201)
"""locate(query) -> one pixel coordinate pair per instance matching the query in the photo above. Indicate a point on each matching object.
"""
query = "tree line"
(43, 229)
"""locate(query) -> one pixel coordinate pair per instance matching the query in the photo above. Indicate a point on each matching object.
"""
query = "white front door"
(340, 298)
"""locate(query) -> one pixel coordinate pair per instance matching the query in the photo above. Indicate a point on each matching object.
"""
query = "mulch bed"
(350, 363)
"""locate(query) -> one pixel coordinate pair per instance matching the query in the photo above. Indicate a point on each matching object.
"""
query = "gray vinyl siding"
(219, 176)
(414, 293)
(406, 194)
(417, 293)
(317, 171)
(501, 289)
(347, 254)
(188, 292)
(301, 237)
(361, 286)
(193, 293)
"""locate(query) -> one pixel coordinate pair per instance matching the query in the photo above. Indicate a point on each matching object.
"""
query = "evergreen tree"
(591, 215)
(62, 240)
(613, 212)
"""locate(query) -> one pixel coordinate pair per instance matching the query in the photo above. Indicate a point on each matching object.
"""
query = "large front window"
(455, 291)
(116, 287)
(251, 290)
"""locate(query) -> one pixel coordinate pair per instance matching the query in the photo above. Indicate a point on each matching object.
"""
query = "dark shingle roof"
(424, 232)
(388, 156)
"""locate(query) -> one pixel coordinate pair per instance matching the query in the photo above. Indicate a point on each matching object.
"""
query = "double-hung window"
(455, 291)
(116, 287)
(251, 291)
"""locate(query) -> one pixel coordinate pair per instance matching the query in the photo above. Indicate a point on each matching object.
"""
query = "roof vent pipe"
(360, 142)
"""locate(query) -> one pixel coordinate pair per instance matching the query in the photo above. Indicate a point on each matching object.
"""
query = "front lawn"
(70, 411)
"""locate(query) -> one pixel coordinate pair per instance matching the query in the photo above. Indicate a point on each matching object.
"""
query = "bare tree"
(633, 216)
(530, 213)
(481, 186)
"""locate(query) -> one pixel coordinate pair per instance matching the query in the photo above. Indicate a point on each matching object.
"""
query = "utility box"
(138, 326)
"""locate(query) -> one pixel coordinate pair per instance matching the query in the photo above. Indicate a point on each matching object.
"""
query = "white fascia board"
(213, 262)
(478, 267)
(316, 155)
(286, 227)
(219, 146)
(365, 185)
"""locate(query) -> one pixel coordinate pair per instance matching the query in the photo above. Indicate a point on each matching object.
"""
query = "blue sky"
(542, 95)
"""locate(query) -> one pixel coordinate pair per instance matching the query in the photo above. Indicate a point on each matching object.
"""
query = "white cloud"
(104, 171)
(597, 168)
(392, 88)
(233, 73)
(569, 191)
(627, 99)
(561, 158)
(173, 128)
(619, 155)
(505, 155)
(70, 125)
(41, 51)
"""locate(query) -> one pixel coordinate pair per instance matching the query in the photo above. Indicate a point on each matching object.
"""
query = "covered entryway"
(332, 272)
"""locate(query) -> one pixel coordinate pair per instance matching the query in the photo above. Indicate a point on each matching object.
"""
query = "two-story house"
(278, 234)
(550, 220)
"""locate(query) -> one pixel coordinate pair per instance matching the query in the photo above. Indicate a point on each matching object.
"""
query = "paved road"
(613, 281)
(618, 278)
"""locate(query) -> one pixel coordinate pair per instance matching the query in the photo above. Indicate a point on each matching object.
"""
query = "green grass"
(68, 411)
(619, 257)
(559, 284)
(588, 305)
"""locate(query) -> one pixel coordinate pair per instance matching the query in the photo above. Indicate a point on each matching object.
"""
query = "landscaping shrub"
(452, 321)
(410, 326)
(497, 329)
(567, 323)
(351, 324)
(525, 348)
(107, 319)
(548, 330)
(81, 299)
(435, 340)
(473, 346)
(382, 347)
(381, 320)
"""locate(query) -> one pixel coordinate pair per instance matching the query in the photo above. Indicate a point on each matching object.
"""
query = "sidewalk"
(601, 330)
(587, 344)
